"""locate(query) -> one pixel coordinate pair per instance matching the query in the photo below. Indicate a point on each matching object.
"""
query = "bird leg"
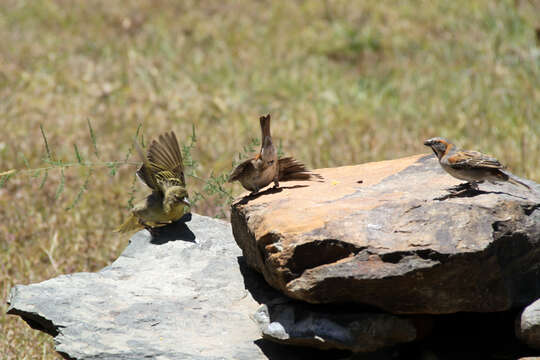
(276, 181)
(157, 230)
(153, 230)
(145, 225)
(464, 187)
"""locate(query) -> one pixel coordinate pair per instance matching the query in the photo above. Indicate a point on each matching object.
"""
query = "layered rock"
(295, 324)
(384, 234)
(389, 234)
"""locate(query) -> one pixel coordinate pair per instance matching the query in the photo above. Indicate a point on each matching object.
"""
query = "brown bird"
(264, 168)
(471, 166)
(162, 171)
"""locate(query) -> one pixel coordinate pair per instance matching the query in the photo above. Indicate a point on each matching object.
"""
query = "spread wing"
(165, 157)
(241, 169)
(162, 166)
(145, 172)
(475, 159)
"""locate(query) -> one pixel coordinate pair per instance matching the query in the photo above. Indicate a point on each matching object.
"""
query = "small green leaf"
(93, 137)
(112, 168)
(193, 135)
(132, 191)
(81, 191)
(60, 188)
(280, 149)
(5, 178)
(44, 179)
(49, 156)
(77, 154)
(25, 160)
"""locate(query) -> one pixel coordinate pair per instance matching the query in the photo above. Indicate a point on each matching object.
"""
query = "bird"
(471, 166)
(265, 167)
(162, 170)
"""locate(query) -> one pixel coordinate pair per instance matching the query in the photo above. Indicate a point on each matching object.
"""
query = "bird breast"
(471, 174)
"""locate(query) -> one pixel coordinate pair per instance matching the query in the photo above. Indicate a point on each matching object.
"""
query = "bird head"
(439, 146)
(175, 195)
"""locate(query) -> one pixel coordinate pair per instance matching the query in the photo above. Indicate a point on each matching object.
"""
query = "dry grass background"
(346, 82)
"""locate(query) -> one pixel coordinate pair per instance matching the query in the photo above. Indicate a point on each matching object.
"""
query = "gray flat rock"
(180, 295)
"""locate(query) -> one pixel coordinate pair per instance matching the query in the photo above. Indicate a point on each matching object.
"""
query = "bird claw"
(145, 225)
(463, 188)
(155, 231)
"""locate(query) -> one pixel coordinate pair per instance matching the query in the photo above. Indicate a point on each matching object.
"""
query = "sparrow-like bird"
(162, 171)
(265, 167)
(471, 166)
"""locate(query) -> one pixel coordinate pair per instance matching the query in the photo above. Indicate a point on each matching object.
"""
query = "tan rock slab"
(389, 234)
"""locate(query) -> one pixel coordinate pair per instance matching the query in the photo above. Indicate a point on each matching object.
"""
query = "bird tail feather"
(132, 223)
(291, 169)
(517, 182)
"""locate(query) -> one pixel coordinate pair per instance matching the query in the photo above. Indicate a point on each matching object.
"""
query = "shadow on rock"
(468, 193)
(461, 194)
(176, 231)
(271, 190)
(274, 351)
(487, 336)
(256, 285)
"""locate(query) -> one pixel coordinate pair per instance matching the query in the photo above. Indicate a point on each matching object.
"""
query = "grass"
(346, 82)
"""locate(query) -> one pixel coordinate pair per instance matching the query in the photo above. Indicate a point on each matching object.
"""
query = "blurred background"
(346, 82)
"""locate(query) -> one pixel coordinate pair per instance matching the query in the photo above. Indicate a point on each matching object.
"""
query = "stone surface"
(388, 234)
(528, 325)
(184, 294)
(295, 324)
(179, 295)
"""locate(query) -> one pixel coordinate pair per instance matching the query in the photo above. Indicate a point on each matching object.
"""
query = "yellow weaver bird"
(163, 171)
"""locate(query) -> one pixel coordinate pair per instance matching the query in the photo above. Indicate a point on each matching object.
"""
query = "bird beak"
(186, 201)
(427, 143)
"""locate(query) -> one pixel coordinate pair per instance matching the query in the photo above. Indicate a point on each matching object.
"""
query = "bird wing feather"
(166, 159)
(162, 166)
(474, 159)
(145, 172)
(241, 169)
